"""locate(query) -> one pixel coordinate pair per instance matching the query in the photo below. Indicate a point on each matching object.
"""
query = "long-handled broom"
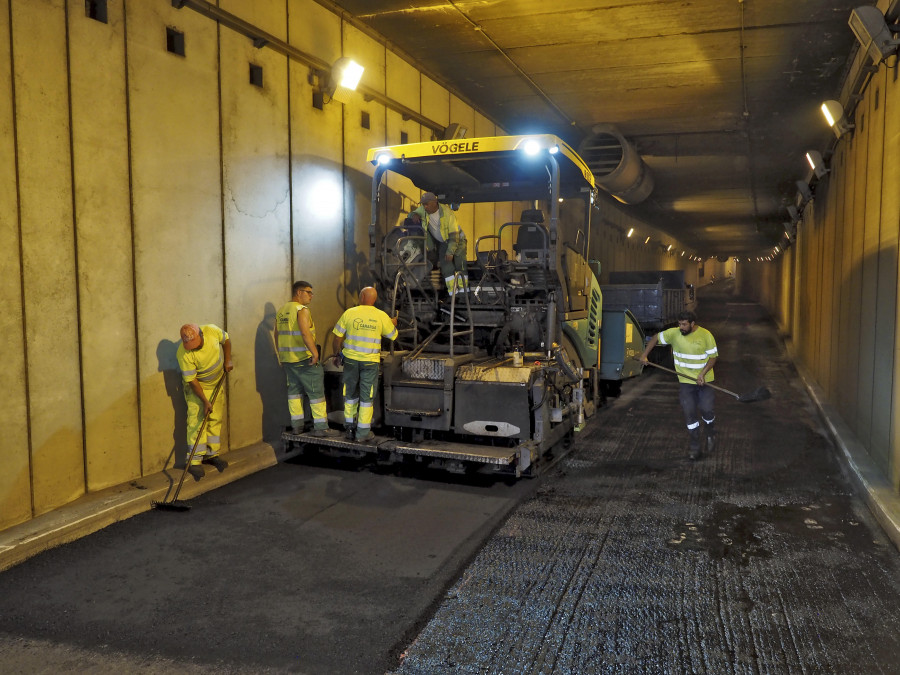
(176, 505)
(758, 394)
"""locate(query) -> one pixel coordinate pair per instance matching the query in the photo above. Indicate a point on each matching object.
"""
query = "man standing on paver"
(295, 339)
(694, 351)
(204, 356)
(357, 342)
(445, 238)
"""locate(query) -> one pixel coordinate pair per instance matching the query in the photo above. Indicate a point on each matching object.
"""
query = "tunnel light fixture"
(816, 163)
(630, 232)
(454, 131)
(344, 78)
(647, 240)
(669, 248)
(873, 33)
(834, 115)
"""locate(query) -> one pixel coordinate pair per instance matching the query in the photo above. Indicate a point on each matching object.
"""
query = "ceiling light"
(630, 232)
(647, 240)
(873, 33)
(834, 115)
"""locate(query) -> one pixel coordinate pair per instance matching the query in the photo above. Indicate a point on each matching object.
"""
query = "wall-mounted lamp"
(816, 163)
(804, 194)
(647, 240)
(455, 130)
(343, 79)
(834, 115)
(669, 248)
(630, 232)
(873, 33)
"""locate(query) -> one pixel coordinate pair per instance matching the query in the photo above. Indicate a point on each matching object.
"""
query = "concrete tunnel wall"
(140, 190)
(835, 292)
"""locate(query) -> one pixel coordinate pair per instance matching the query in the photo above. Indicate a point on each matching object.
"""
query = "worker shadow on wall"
(167, 361)
(270, 381)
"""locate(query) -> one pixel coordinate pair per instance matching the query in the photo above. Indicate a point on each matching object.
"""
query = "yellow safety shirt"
(691, 352)
(206, 363)
(362, 328)
(291, 347)
(451, 231)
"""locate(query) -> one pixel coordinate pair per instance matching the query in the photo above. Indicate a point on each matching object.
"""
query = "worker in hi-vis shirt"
(295, 340)
(204, 356)
(358, 344)
(446, 238)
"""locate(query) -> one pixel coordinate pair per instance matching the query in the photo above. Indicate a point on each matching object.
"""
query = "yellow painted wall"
(15, 478)
(104, 243)
(48, 257)
(841, 308)
(140, 190)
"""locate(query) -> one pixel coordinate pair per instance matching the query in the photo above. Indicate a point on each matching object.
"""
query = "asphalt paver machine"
(499, 376)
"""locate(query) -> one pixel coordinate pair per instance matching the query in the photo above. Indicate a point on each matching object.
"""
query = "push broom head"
(760, 394)
(174, 505)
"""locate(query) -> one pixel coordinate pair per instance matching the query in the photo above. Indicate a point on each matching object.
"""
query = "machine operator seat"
(532, 238)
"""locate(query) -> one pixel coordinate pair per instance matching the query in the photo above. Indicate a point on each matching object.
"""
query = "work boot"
(196, 471)
(366, 437)
(324, 433)
(694, 452)
(350, 431)
(217, 462)
(710, 437)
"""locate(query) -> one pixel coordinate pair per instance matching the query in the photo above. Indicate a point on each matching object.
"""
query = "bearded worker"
(695, 353)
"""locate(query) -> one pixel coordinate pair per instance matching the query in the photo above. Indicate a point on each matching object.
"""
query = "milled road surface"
(633, 559)
(626, 558)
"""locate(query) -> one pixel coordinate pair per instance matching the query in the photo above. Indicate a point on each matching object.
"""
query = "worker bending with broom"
(694, 351)
(204, 356)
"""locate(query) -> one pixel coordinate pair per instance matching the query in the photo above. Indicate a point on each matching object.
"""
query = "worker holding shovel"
(695, 353)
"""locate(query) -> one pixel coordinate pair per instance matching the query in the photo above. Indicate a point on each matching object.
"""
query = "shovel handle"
(675, 372)
(187, 461)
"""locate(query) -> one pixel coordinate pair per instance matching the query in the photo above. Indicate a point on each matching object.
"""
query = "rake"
(758, 394)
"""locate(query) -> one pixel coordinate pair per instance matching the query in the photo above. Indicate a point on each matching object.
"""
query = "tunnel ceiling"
(720, 97)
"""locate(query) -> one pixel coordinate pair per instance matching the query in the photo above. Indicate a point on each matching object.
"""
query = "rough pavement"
(633, 559)
(626, 558)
